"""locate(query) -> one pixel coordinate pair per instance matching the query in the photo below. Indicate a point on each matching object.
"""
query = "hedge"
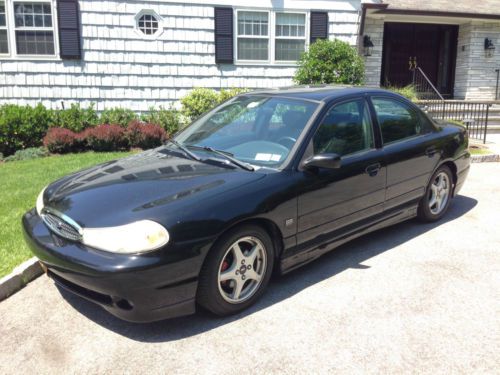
(76, 128)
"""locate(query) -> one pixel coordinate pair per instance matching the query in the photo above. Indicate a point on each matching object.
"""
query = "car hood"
(152, 185)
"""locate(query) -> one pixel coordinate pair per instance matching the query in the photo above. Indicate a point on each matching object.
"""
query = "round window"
(148, 24)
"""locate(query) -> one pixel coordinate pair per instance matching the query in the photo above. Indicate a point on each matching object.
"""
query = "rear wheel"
(236, 271)
(437, 198)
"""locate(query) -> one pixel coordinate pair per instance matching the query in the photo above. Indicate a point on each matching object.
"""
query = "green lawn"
(20, 183)
(479, 151)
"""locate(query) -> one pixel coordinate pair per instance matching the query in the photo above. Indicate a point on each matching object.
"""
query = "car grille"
(61, 227)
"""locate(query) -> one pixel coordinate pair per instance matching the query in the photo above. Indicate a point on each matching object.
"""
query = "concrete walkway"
(413, 298)
(493, 143)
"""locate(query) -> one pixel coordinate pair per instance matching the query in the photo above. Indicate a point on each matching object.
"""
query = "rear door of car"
(332, 202)
(411, 153)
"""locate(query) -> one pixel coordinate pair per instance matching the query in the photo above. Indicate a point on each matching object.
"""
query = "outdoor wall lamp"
(489, 47)
(368, 45)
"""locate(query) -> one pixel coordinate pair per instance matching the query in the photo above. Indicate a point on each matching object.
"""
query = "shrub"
(198, 101)
(144, 135)
(105, 138)
(61, 140)
(28, 153)
(330, 61)
(118, 116)
(228, 94)
(22, 127)
(168, 119)
(407, 91)
(75, 118)
(201, 100)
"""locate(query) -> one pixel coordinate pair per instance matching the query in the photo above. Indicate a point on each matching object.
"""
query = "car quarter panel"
(409, 166)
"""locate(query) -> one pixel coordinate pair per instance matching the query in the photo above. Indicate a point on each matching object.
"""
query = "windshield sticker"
(268, 157)
(263, 157)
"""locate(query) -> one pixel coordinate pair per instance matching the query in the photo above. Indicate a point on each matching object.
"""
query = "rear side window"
(397, 120)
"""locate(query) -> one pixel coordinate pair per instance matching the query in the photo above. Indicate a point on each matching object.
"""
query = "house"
(138, 54)
(453, 41)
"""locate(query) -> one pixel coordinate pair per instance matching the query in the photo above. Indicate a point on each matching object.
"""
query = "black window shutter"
(68, 16)
(319, 26)
(223, 35)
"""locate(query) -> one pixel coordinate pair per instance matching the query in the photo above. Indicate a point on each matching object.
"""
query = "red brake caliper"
(223, 267)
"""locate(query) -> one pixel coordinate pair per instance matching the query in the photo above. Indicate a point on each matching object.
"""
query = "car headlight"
(39, 201)
(137, 237)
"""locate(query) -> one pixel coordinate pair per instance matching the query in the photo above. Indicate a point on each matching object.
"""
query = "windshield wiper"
(225, 155)
(185, 150)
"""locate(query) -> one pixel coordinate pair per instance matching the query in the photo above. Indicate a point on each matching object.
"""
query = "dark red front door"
(431, 47)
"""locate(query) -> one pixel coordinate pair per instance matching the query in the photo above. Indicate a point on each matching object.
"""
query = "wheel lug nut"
(237, 272)
(243, 261)
(248, 267)
(243, 277)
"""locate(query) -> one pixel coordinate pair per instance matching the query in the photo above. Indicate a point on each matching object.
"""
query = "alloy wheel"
(439, 193)
(242, 269)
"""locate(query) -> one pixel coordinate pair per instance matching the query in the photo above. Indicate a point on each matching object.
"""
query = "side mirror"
(329, 161)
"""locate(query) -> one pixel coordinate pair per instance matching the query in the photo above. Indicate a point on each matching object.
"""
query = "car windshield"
(255, 129)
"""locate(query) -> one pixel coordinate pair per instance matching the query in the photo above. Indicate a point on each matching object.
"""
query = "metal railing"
(473, 114)
(424, 88)
(497, 71)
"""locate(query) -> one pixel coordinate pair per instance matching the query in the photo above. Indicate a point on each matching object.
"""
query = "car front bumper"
(138, 288)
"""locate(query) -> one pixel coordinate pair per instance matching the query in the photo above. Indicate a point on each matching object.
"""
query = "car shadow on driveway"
(350, 255)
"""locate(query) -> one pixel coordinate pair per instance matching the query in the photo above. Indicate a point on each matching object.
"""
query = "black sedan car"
(266, 181)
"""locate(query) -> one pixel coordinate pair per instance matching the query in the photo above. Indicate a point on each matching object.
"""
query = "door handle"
(373, 169)
(412, 63)
(431, 151)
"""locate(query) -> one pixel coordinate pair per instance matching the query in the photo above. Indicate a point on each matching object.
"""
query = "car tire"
(437, 198)
(236, 271)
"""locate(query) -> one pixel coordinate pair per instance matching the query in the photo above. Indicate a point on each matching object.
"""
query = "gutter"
(437, 13)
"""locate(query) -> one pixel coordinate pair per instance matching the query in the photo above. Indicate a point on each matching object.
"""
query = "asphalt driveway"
(411, 298)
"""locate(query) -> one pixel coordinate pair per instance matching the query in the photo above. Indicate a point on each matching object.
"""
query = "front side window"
(397, 120)
(4, 44)
(259, 130)
(34, 28)
(253, 35)
(346, 129)
(290, 36)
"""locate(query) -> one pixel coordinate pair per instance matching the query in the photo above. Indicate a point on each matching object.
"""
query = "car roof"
(318, 93)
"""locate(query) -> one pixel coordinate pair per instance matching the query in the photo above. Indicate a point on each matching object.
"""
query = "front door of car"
(332, 202)
(410, 150)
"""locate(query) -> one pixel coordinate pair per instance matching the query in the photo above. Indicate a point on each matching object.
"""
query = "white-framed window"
(148, 24)
(252, 35)
(290, 36)
(270, 36)
(34, 32)
(4, 38)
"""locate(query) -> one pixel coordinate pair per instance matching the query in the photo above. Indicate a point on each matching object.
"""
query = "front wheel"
(437, 197)
(237, 270)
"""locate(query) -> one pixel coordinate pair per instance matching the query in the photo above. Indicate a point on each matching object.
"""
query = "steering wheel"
(287, 141)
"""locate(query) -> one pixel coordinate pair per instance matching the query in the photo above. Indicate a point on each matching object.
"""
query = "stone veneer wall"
(374, 28)
(475, 76)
